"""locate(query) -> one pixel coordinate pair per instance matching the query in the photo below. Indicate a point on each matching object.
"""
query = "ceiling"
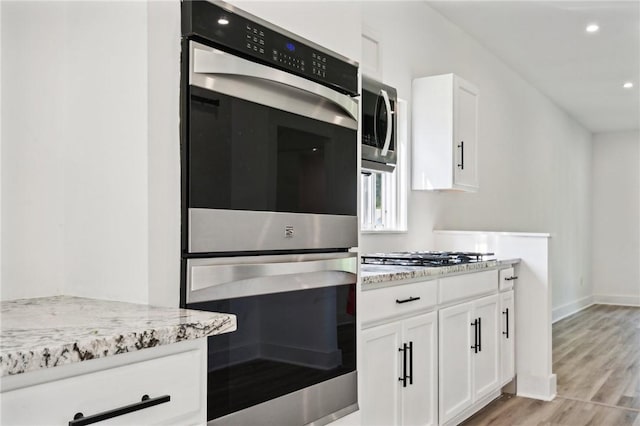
(546, 42)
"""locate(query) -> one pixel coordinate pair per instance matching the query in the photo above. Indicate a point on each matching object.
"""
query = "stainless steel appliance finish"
(308, 406)
(292, 360)
(227, 278)
(232, 87)
(217, 70)
(379, 125)
(209, 231)
(269, 154)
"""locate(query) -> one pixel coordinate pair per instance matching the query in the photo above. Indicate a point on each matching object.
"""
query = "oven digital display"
(290, 46)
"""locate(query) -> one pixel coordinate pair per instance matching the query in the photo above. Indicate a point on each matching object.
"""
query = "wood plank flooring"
(596, 356)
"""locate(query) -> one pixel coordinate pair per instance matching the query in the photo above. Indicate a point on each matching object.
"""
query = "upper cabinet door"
(445, 134)
(465, 135)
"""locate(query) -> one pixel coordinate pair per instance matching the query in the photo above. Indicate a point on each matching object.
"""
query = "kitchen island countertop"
(52, 331)
(377, 276)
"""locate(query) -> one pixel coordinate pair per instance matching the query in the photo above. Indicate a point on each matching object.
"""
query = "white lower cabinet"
(162, 386)
(399, 372)
(507, 337)
(468, 354)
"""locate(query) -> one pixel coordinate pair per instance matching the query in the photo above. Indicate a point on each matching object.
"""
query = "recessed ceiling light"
(628, 85)
(592, 28)
(223, 21)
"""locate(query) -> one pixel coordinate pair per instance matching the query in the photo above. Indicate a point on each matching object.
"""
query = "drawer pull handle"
(510, 278)
(411, 299)
(79, 419)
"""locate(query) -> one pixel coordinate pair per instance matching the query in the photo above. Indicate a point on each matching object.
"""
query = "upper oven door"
(271, 159)
(378, 125)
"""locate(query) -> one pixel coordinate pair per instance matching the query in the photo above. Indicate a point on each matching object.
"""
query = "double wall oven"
(269, 215)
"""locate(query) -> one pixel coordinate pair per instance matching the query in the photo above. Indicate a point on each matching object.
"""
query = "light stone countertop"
(51, 331)
(375, 276)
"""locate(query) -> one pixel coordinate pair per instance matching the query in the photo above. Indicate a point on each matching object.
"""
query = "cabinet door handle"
(506, 312)
(474, 324)
(479, 334)
(404, 351)
(461, 146)
(410, 299)
(79, 419)
(410, 363)
(510, 278)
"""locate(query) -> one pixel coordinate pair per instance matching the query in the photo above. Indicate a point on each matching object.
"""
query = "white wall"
(74, 157)
(616, 218)
(534, 159)
(90, 163)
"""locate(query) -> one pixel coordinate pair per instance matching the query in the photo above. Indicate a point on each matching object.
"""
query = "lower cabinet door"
(506, 335)
(381, 369)
(419, 398)
(486, 373)
(456, 337)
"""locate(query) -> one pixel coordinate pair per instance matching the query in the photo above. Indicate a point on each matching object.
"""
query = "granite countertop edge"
(374, 276)
(22, 349)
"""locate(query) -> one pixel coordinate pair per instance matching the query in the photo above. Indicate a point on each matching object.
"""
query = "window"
(383, 195)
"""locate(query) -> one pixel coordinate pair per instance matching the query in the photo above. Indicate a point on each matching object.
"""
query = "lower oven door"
(292, 360)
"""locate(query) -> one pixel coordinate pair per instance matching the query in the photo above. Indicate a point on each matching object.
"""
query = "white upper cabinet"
(445, 134)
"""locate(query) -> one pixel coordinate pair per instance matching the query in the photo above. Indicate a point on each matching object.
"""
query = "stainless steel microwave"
(379, 103)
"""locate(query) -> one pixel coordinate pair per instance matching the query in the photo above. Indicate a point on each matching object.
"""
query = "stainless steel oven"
(269, 215)
(270, 149)
(292, 360)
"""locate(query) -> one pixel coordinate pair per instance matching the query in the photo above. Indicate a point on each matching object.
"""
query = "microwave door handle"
(207, 60)
(387, 137)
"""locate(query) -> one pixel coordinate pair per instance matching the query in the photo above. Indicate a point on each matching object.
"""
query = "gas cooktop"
(424, 258)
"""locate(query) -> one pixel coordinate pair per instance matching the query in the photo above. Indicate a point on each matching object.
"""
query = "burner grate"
(424, 258)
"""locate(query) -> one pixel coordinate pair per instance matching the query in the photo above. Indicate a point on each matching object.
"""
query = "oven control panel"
(261, 42)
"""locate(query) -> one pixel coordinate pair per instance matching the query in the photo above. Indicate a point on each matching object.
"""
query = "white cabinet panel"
(419, 398)
(507, 278)
(507, 337)
(380, 373)
(486, 366)
(179, 376)
(445, 132)
(455, 340)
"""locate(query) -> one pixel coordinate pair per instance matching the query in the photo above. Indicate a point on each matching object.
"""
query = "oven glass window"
(247, 156)
(285, 342)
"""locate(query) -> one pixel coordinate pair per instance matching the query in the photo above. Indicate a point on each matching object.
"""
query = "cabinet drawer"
(398, 300)
(464, 286)
(180, 376)
(507, 278)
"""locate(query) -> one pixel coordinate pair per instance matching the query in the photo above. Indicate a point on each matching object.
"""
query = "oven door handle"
(209, 280)
(207, 61)
(387, 137)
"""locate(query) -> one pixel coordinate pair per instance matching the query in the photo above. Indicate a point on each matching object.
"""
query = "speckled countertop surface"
(51, 331)
(373, 275)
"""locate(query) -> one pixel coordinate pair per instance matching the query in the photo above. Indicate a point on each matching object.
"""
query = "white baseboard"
(536, 387)
(571, 308)
(615, 299)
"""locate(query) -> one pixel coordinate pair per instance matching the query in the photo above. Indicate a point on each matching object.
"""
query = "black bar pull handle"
(410, 363)
(506, 312)
(79, 419)
(479, 334)
(510, 278)
(474, 324)
(461, 146)
(404, 351)
(410, 299)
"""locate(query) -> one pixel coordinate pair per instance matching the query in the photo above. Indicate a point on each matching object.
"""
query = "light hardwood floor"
(596, 356)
